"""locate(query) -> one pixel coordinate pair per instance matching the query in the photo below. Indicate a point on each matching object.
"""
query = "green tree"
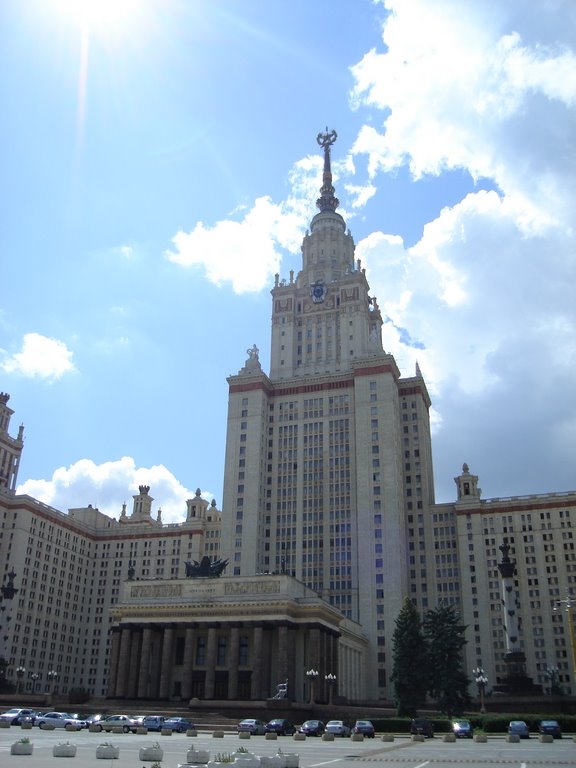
(447, 681)
(409, 661)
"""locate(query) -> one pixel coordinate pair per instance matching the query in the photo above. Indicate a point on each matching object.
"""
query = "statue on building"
(205, 568)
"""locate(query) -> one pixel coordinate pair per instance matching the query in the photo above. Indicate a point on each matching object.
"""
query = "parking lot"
(313, 752)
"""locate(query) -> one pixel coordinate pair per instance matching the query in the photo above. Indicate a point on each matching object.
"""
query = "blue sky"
(159, 166)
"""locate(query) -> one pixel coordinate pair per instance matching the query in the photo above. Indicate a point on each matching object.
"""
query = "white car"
(59, 720)
(337, 727)
(17, 716)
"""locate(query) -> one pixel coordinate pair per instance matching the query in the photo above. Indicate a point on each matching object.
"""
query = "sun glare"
(99, 15)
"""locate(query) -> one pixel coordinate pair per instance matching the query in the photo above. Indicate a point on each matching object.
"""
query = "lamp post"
(331, 681)
(51, 675)
(568, 605)
(34, 677)
(20, 672)
(481, 680)
(552, 675)
(312, 675)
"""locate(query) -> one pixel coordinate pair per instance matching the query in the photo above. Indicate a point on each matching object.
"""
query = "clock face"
(318, 291)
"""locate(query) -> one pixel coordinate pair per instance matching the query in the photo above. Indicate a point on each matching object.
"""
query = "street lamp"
(312, 675)
(51, 675)
(481, 680)
(34, 677)
(331, 680)
(552, 675)
(20, 672)
(568, 605)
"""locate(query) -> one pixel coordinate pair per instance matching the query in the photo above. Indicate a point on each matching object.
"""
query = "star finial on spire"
(327, 200)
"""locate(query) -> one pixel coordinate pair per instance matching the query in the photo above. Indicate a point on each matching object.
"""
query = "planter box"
(64, 750)
(93, 728)
(26, 726)
(107, 752)
(117, 729)
(191, 732)
(357, 737)
(299, 736)
(480, 738)
(4, 724)
(292, 759)
(18, 748)
(246, 760)
(141, 730)
(327, 737)
(418, 737)
(166, 732)
(271, 735)
(151, 754)
(218, 735)
(546, 738)
(197, 756)
(513, 738)
(387, 737)
(449, 738)
(244, 735)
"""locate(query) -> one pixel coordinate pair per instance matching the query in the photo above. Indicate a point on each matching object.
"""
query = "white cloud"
(105, 486)
(484, 301)
(41, 357)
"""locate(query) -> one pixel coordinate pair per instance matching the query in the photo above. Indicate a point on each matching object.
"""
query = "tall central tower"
(322, 454)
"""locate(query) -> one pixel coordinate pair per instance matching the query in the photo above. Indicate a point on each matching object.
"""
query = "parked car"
(117, 721)
(462, 729)
(365, 727)
(16, 716)
(312, 728)
(178, 724)
(551, 727)
(59, 720)
(519, 728)
(422, 727)
(152, 722)
(337, 727)
(255, 727)
(280, 726)
(93, 719)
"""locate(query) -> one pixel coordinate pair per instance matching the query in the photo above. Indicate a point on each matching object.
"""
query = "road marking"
(337, 760)
(422, 764)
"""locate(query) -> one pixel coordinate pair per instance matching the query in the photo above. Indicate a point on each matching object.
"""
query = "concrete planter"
(449, 738)
(418, 737)
(4, 724)
(513, 738)
(64, 750)
(217, 734)
(141, 730)
(107, 752)
(546, 738)
(198, 756)
(191, 732)
(93, 728)
(292, 760)
(166, 732)
(26, 726)
(327, 737)
(244, 734)
(387, 737)
(271, 735)
(270, 762)
(357, 737)
(299, 736)
(246, 760)
(21, 748)
(480, 738)
(151, 754)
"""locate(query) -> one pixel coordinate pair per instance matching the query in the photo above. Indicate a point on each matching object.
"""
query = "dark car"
(152, 722)
(551, 727)
(462, 729)
(178, 724)
(519, 728)
(421, 727)
(365, 727)
(281, 727)
(312, 728)
(255, 727)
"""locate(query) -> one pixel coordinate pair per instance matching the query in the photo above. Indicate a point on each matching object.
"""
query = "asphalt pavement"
(313, 752)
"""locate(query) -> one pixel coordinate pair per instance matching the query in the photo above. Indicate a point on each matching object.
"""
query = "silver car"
(59, 720)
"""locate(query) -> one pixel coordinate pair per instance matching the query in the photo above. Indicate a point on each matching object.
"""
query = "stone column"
(281, 670)
(166, 664)
(188, 663)
(233, 653)
(210, 662)
(255, 689)
(135, 663)
(113, 670)
(123, 663)
(145, 661)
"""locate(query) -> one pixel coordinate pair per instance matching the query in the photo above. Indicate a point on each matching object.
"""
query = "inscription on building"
(253, 588)
(156, 590)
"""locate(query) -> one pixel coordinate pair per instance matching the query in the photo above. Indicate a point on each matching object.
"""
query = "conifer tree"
(409, 674)
(445, 640)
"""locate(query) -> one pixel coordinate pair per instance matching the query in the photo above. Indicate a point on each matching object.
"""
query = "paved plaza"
(313, 752)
